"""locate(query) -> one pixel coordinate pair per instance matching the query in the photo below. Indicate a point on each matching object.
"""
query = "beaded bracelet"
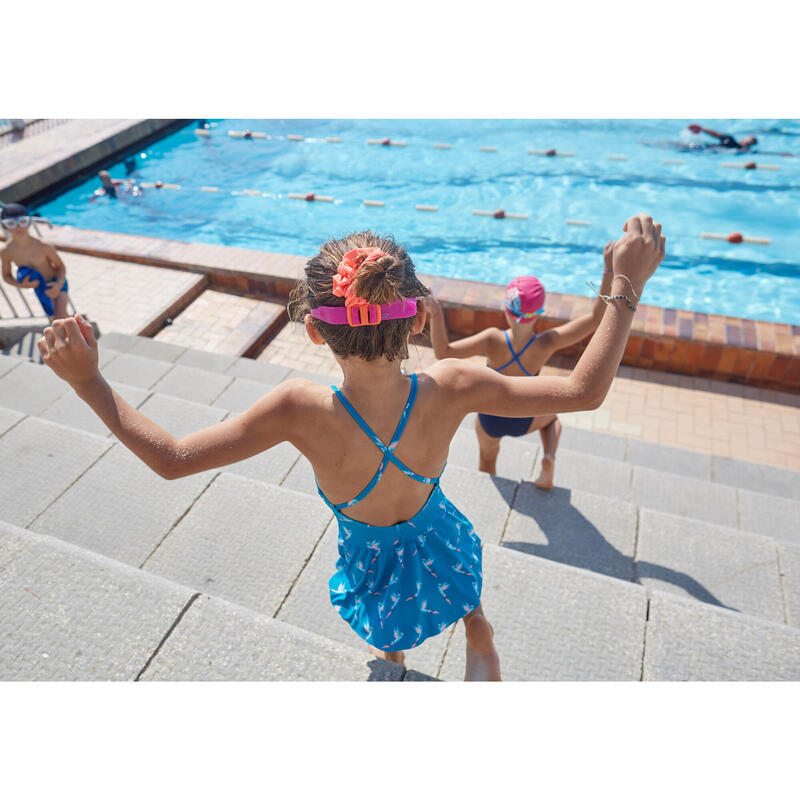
(608, 298)
(630, 282)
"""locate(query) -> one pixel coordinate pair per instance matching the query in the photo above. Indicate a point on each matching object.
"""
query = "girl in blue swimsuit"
(409, 561)
(528, 351)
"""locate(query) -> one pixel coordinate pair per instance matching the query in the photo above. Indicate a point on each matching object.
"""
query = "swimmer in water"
(726, 142)
(112, 186)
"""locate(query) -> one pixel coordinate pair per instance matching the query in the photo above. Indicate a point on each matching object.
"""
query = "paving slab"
(790, 568)
(713, 564)
(72, 411)
(180, 417)
(66, 614)
(308, 606)
(756, 477)
(188, 383)
(13, 541)
(689, 463)
(136, 370)
(158, 351)
(599, 444)
(121, 342)
(8, 419)
(241, 394)
(30, 388)
(220, 641)
(769, 515)
(602, 476)
(484, 499)
(515, 461)
(301, 479)
(202, 359)
(689, 641)
(686, 497)
(120, 508)
(38, 461)
(253, 370)
(7, 363)
(572, 527)
(242, 541)
(554, 622)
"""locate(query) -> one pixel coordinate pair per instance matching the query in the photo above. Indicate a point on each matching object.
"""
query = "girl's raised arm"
(475, 345)
(636, 256)
(69, 348)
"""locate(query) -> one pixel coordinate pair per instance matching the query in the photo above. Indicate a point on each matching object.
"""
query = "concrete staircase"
(645, 562)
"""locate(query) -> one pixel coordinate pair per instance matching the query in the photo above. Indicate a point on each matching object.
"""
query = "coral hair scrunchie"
(351, 263)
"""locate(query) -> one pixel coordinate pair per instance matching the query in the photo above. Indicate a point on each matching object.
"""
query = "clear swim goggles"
(16, 222)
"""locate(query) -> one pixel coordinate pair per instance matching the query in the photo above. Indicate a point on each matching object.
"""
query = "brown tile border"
(672, 340)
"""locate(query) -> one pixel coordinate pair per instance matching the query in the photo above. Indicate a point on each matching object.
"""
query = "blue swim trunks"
(397, 585)
(41, 288)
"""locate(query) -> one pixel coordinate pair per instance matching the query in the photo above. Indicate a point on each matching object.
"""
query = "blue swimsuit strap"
(388, 455)
(515, 356)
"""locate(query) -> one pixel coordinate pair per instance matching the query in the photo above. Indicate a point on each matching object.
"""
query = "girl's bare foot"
(483, 663)
(395, 656)
(545, 479)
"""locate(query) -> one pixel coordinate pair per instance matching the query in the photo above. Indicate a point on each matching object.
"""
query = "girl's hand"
(639, 251)
(430, 303)
(53, 291)
(27, 283)
(70, 350)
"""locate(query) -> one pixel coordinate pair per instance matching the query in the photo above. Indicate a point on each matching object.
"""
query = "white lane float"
(617, 158)
(158, 185)
(488, 149)
(333, 139)
(735, 238)
(247, 134)
(209, 188)
(672, 161)
(582, 222)
(201, 132)
(293, 137)
(427, 208)
(440, 146)
(378, 203)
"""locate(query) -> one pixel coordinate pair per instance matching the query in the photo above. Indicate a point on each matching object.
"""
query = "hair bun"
(380, 281)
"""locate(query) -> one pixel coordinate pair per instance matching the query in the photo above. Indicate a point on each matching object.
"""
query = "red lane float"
(294, 138)
(442, 146)
(427, 208)
(735, 238)
(749, 165)
(488, 149)
(386, 142)
(499, 214)
(373, 202)
(310, 197)
(332, 139)
(551, 152)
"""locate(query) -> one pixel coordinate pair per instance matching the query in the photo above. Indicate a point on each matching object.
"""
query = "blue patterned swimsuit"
(397, 585)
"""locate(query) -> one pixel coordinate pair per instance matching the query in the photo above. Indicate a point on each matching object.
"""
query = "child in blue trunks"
(409, 562)
(520, 351)
(38, 264)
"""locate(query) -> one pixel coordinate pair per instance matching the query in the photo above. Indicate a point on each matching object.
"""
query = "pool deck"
(33, 164)
(751, 352)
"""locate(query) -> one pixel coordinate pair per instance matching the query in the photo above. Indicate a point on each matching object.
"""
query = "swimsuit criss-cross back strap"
(388, 454)
(515, 356)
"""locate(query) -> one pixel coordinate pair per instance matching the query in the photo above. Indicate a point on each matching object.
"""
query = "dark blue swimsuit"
(508, 426)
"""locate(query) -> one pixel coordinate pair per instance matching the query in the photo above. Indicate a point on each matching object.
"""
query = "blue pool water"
(746, 280)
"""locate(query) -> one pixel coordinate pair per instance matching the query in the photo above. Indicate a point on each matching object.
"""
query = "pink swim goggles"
(367, 314)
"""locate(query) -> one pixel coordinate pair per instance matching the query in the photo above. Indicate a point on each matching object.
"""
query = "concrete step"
(68, 614)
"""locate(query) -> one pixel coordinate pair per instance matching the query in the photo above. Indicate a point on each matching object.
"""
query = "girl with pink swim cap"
(520, 351)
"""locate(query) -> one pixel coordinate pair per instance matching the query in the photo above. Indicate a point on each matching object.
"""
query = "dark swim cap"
(14, 210)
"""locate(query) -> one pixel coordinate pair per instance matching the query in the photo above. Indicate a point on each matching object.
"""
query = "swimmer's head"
(384, 279)
(748, 141)
(15, 218)
(105, 179)
(524, 299)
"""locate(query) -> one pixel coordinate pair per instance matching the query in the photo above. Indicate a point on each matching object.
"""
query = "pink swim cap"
(525, 298)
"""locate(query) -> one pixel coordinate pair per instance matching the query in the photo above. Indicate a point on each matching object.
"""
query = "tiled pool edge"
(752, 352)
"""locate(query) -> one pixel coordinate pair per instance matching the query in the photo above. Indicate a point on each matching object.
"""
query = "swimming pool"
(695, 196)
